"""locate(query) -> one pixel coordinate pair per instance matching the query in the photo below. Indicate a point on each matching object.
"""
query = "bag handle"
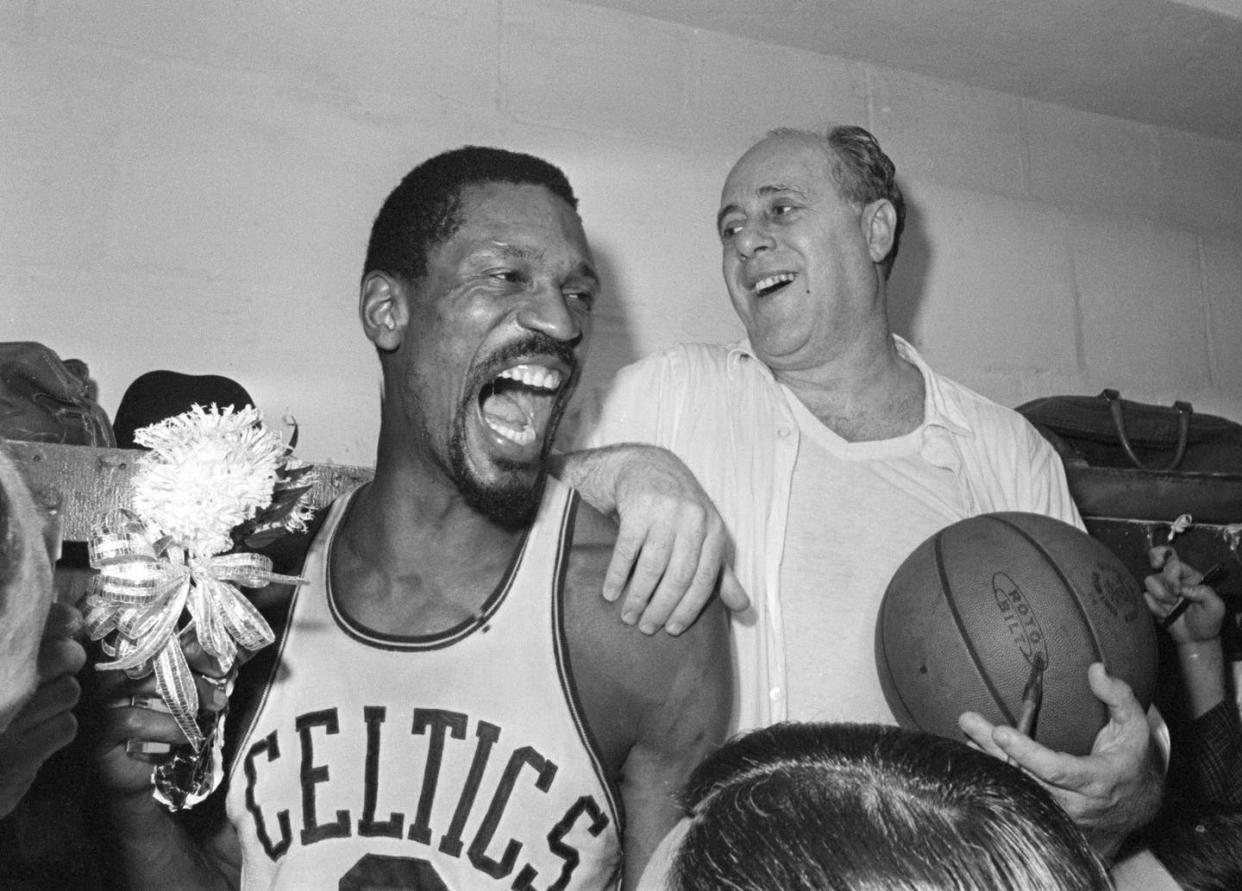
(1184, 411)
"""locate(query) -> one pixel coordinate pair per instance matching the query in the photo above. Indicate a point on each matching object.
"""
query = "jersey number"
(377, 872)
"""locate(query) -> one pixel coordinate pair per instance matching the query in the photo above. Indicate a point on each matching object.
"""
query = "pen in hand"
(1213, 576)
(1032, 696)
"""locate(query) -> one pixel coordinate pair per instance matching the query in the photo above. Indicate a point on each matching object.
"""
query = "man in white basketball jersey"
(451, 703)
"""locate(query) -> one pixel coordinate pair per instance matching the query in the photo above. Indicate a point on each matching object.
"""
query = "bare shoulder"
(637, 689)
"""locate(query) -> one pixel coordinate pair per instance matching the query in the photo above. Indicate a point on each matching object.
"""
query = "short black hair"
(424, 209)
(807, 807)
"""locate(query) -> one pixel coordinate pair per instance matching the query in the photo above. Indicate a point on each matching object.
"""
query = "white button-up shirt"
(721, 410)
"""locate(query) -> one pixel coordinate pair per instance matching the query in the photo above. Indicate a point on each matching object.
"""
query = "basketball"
(969, 614)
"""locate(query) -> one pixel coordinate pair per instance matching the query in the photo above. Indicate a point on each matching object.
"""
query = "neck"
(868, 392)
(412, 557)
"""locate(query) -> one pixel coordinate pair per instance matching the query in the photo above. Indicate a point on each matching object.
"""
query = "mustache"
(535, 344)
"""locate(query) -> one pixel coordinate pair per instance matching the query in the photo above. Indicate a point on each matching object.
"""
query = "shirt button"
(776, 694)
(783, 432)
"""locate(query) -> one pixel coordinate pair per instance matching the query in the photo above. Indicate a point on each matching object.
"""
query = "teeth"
(505, 416)
(520, 435)
(765, 284)
(534, 376)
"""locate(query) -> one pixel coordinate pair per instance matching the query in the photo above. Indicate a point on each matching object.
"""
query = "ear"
(383, 307)
(879, 223)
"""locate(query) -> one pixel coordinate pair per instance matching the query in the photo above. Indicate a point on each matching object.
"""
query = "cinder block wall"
(190, 186)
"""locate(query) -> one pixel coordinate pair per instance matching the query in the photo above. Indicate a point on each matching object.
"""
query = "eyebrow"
(514, 252)
(517, 252)
(586, 270)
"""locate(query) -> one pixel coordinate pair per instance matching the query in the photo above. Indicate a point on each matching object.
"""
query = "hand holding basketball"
(970, 613)
(987, 604)
(1109, 792)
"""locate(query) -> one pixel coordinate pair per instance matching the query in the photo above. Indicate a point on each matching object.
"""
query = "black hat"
(157, 395)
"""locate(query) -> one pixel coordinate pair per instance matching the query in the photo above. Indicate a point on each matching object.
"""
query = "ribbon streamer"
(146, 584)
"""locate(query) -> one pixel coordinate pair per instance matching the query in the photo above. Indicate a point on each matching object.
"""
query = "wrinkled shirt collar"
(938, 409)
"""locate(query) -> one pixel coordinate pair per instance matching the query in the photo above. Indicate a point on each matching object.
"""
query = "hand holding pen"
(1211, 578)
(1174, 590)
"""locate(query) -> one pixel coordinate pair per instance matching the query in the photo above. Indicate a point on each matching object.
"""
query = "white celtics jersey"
(457, 760)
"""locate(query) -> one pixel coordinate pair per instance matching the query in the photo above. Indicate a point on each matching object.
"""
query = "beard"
(511, 502)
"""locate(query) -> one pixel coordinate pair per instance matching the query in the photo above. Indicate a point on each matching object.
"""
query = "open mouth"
(771, 284)
(519, 402)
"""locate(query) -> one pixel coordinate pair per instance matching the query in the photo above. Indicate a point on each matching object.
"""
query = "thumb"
(732, 594)
(63, 620)
(1160, 555)
(1113, 692)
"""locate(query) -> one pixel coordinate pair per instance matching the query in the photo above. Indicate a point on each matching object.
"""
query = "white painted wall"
(191, 185)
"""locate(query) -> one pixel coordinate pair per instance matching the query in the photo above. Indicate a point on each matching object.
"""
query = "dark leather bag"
(45, 399)
(1130, 460)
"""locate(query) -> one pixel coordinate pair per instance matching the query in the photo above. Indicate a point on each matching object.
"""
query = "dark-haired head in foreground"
(857, 806)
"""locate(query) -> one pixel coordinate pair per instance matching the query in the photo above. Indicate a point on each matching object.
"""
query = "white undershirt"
(839, 557)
